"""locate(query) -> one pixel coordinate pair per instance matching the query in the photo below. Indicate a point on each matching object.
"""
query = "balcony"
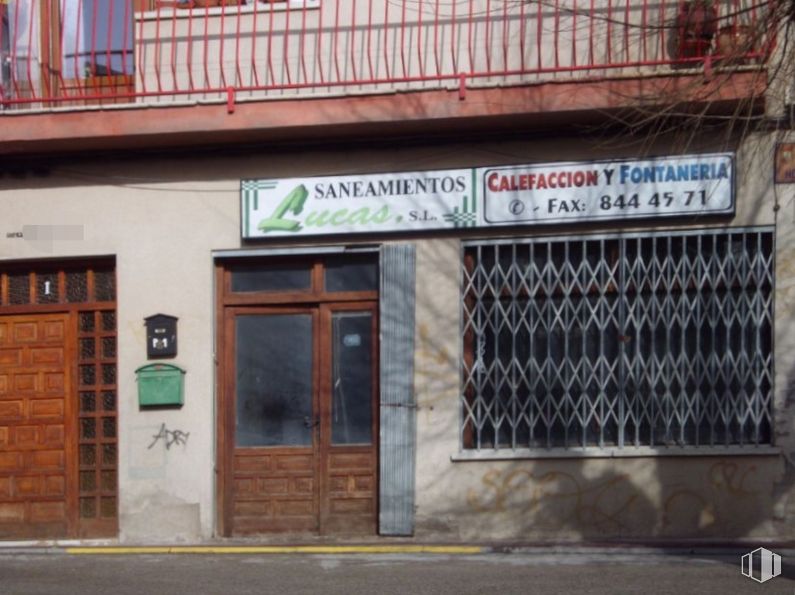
(77, 55)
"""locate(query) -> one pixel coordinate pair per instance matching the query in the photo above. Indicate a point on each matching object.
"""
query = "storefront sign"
(485, 197)
(358, 204)
(615, 190)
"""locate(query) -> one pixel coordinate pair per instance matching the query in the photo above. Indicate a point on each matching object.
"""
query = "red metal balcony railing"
(56, 53)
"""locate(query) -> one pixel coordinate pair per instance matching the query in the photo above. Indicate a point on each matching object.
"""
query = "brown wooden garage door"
(34, 399)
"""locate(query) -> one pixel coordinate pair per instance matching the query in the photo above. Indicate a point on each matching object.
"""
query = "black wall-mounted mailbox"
(161, 336)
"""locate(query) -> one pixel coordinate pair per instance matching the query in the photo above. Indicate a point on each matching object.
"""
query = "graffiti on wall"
(169, 437)
(725, 480)
(570, 500)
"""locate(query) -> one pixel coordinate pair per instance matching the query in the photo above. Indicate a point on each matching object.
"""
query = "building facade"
(420, 276)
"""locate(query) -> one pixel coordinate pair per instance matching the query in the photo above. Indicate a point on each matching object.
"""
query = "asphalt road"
(367, 574)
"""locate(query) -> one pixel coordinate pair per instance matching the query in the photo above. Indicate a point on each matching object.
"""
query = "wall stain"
(724, 479)
(727, 475)
(428, 351)
(614, 504)
(434, 363)
(600, 505)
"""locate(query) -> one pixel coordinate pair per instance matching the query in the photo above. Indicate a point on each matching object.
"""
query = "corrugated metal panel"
(396, 516)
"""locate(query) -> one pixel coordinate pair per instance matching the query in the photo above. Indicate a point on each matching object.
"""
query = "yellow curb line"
(298, 549)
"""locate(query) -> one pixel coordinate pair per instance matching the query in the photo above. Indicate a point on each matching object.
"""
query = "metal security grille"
(659, 339)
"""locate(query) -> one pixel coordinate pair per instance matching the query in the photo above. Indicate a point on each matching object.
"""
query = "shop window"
(656, 340)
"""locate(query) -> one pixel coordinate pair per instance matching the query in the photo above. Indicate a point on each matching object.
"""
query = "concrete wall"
(660, 497)
(161, 234)
(162, 217)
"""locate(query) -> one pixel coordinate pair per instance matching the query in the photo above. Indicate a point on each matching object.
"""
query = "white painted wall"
(162, 217)
(162, 235)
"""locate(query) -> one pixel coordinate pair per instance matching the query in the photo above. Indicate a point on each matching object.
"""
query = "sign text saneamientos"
(680, 186)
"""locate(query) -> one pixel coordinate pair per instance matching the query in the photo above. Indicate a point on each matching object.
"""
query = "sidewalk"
(387, 545)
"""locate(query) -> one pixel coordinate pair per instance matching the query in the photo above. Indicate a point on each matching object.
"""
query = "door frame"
(225, 300)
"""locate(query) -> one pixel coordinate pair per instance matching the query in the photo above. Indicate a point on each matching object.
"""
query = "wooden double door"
(301, 402)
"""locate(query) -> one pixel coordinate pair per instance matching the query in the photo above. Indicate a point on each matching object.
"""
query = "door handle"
(308, 423)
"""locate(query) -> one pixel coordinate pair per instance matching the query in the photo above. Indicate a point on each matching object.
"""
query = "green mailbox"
(160, 384)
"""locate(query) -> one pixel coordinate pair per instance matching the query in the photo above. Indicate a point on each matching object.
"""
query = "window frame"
(764, 236)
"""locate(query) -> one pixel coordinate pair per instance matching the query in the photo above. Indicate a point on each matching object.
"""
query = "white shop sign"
(611, 190)
(681, 186)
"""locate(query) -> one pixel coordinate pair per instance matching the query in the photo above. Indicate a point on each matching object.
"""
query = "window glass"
(272, 278)
(345, 275)
(97, 38)
(19, 28)
(351, 378)
(273, 362)
(5, 48)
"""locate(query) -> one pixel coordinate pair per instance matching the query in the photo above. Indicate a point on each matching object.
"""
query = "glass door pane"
(351, 378)
(273, 363)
